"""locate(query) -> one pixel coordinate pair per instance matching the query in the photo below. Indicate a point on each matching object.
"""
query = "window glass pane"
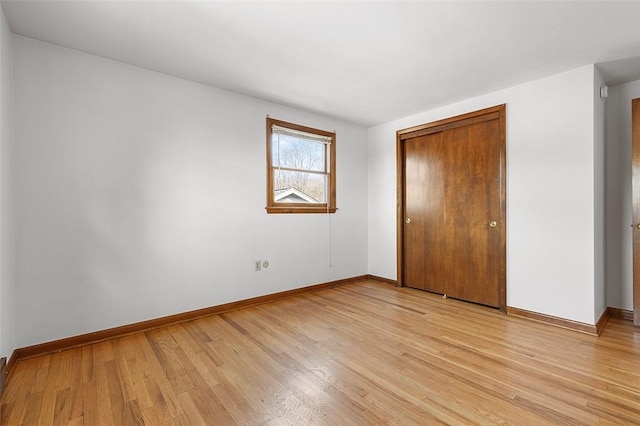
(299, 187)
(297, 153)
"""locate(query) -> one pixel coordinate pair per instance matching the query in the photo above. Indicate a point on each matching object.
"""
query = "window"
(301, 169)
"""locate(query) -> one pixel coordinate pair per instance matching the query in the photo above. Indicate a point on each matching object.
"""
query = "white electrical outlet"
(258, 265)
(265, 264)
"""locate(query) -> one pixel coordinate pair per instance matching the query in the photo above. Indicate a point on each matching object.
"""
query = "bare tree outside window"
(290, 152)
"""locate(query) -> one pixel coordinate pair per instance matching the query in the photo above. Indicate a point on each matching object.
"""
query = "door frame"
(496, 112)
(635, 191)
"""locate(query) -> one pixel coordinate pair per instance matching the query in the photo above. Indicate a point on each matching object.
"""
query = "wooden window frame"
(289, 208)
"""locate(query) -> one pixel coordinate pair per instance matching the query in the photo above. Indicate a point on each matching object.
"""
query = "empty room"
(319, 212)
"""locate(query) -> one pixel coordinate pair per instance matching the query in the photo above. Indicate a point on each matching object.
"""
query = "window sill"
(295, 210)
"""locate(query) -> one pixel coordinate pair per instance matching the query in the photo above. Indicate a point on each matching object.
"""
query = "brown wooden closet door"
(452, 208)
(428, 264)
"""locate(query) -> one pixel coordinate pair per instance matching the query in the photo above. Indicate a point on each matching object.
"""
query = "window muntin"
(301, 169)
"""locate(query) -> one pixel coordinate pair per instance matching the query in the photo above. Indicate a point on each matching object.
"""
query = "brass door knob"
(408, 220)
(493, 224)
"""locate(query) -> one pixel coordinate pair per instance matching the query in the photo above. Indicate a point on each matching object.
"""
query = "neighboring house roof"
(292, 195)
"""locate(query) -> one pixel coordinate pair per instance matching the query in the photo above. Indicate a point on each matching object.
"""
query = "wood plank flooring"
(361, 354)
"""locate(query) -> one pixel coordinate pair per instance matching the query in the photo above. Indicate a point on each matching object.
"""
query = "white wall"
(619, 214)
(550, 192)
(140, 195)
(599, 137)
(7, 283)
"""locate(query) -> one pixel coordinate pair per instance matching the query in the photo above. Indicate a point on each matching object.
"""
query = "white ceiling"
(364, 62)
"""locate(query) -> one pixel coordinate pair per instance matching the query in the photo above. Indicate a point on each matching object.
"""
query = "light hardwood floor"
(362, 354)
